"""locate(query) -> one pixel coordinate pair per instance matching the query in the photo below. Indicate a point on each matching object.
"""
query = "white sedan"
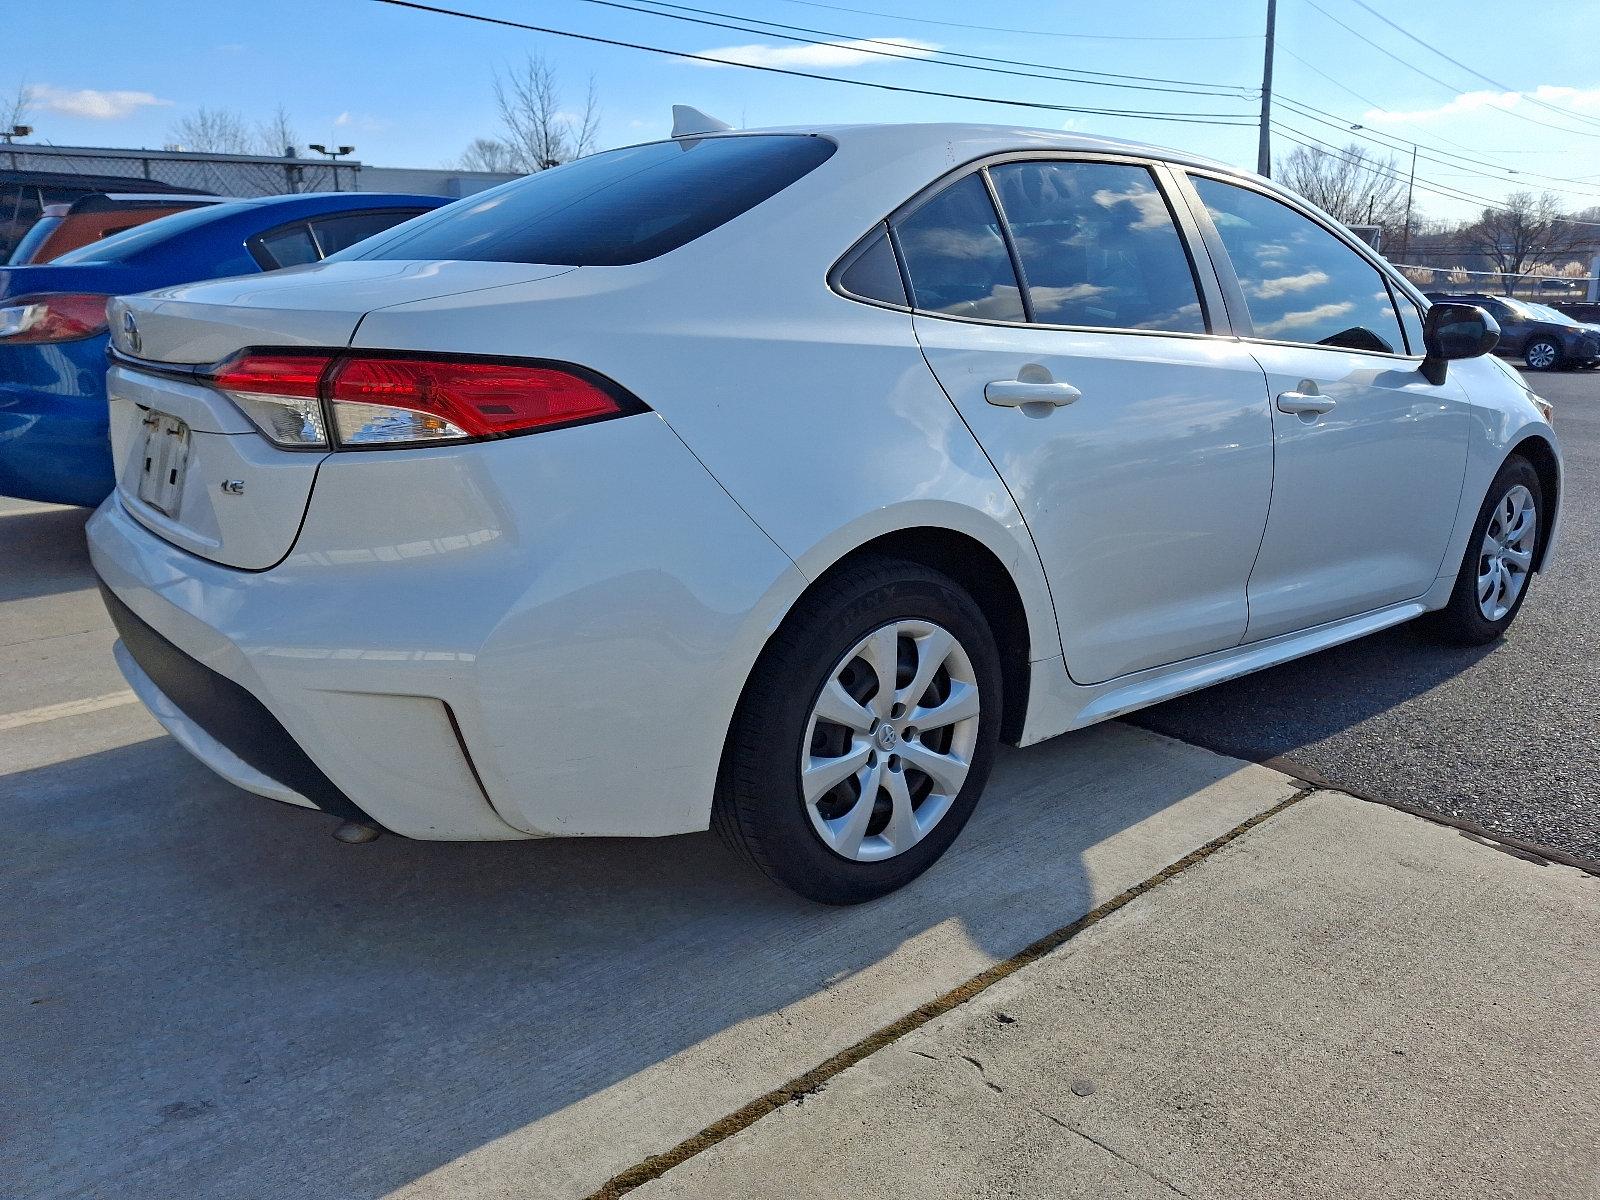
(767, 480)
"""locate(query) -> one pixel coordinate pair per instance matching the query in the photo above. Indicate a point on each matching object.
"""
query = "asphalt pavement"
(1504, 736)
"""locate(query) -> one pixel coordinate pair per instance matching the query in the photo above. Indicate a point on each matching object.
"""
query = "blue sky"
(410, 88)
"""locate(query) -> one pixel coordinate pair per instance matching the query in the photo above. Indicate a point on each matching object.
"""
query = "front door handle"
(1033, 385)
(1305, 404)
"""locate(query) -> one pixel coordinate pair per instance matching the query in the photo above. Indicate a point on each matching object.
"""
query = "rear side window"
(340, 233)
(875, 274)
(1301, 283)
(290, 246)
(623, 206)
(956, 256)
(1098, 246)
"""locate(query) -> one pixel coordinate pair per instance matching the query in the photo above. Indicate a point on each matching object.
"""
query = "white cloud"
(1577, 99)
(361, 121)
(91, 103)
(828, 54)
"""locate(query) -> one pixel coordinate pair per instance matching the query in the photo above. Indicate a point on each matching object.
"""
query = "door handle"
(1033, 385)
(1305, 403)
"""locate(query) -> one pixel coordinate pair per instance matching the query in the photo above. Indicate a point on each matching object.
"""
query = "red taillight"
(56, 317)
(274, 374)
(453, 399)
(376, 401)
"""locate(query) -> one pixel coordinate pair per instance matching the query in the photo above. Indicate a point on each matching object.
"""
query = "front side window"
(956, 258)
(622, 206)
(1098, 246)
(1300, 282)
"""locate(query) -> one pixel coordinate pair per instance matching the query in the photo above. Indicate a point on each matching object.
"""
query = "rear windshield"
(122, 247)
(623, 206)
(33, 239)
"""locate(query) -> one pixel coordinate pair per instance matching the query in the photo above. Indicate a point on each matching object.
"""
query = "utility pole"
(1405, 231)
(1264, 145)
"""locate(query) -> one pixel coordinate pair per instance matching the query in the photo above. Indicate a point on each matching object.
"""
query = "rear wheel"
(1493, 581)
(1542, 354)
(865, 735)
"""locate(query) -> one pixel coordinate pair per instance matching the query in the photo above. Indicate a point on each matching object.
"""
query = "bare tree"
(14, 112)
(1350, 185)
(214, 131)
(539, 131)
(487, 154)
(1525, 232)
(277, 135)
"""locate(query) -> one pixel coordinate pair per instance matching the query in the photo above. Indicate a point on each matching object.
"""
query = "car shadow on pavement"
(212, 996)
(43, 552)
(1273, 713)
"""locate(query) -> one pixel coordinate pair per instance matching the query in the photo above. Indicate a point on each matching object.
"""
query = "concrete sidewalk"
(1346, 1001)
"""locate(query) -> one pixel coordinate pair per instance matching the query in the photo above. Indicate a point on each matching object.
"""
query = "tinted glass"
(1301, 283)
(623, 206)
(1410, 321)
(956, 255)
(340, 233)
(33, 239)
(875, 274)
(290, 246)
(1098, 246)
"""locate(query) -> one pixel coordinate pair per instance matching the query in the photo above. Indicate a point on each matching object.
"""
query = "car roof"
(968, 141)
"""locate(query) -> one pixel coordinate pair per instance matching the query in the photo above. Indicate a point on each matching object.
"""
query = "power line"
(1093, 37)
(1449, 87)
(908, 54)
(1334, 121)
(1189, 118)
(1470, 71)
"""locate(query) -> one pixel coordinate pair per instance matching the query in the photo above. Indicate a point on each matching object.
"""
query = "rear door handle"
(1305, 403)
(1014, 393)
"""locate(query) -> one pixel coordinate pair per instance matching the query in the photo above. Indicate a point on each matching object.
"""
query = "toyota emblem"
(130, 331)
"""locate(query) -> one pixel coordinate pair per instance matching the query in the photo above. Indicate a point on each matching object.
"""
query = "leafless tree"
(1524, 232)
(487, 154)
(1352, 185)
(539, 131)
(14, 112)
(277, 135)
(214, 131)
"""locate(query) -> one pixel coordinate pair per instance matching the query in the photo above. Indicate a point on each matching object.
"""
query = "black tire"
(1532, 350)
(759, 808)
(1461, 622)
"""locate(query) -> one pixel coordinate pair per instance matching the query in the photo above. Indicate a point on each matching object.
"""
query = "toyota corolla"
(768, 480)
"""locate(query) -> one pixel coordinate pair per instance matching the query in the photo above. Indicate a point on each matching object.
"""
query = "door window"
(1300, 282)
(290, 246)
(1098, 246)
(956, 256)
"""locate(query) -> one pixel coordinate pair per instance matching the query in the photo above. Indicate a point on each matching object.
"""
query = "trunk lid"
(190, 466)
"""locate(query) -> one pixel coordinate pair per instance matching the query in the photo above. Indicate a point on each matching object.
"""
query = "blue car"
(53, 439)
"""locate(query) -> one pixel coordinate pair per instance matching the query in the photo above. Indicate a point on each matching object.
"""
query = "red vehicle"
(63, 227)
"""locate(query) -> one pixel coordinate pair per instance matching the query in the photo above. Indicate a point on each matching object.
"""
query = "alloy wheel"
(1542, 356)
(1506, 556)
(890, 740)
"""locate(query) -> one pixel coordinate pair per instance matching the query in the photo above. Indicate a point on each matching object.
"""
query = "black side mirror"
(1453, 331)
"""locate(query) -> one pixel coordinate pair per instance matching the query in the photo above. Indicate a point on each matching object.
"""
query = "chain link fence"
(222, 174)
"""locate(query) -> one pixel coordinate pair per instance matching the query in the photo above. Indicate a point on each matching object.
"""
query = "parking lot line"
(69, 708)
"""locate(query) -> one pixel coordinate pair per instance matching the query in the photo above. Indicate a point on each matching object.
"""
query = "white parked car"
(769, 479)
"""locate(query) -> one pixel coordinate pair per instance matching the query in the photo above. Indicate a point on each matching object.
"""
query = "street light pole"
(334, 156)
(1264, 138)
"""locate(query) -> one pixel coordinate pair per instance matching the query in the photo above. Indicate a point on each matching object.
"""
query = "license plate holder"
(165, 459)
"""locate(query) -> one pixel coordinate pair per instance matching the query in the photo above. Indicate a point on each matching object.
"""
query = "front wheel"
(865, 734)
(1542, 354)
(1493, 581)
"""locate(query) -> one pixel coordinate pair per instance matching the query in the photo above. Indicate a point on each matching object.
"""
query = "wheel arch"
(1538, 451)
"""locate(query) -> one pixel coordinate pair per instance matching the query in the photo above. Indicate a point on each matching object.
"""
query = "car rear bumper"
(521, 638)
(54, 445)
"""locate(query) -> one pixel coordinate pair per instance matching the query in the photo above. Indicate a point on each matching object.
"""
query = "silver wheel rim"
(1506, 555)
(890, 740)
(1541, 355)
